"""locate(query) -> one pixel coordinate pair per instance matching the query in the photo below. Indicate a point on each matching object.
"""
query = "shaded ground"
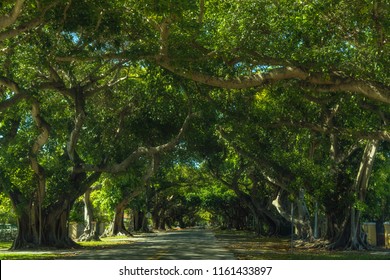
(173, 245)
(248, 246)
(195, 244)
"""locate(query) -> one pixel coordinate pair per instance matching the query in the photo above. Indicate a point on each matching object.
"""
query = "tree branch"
(347, 133)
(23, 27)
(317, 82)
(39, 171)
(107, 56)
(201, 11)
(141, 151)
(284, 177)
(19, 93)
(78, 123)
(164, 36)
(7, 20)
(371, 90)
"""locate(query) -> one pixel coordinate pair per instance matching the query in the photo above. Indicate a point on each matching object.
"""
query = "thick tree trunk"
(156, 221)
(138, 220)
(158, 215)
(50, 228)
(263, 216)
(56, 231)
(166, 224)
(305, 230)
(162, 220)
(54, 228)
(360, 188)
(90, 233)
(350, 235)
(301, 221)
(344, 240)
(27, 229)
(118, 225)
(145, 225)
(258, 209)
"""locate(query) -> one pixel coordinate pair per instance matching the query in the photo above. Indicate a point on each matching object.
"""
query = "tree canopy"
(272, 102)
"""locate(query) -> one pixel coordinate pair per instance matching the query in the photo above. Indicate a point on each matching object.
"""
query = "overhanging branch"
(19, 93)
(316, 82)
(140, 152)
(7, 20)
(10, 32)
(281, 180)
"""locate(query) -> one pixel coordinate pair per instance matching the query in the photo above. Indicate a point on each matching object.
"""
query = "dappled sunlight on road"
(191, 244)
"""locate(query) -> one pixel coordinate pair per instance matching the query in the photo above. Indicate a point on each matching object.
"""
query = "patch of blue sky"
(256, 68)
(8, 95)
(72, 35)
(264, 68)
(75, 37)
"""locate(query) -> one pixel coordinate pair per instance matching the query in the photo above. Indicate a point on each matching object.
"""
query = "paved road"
(174, 245)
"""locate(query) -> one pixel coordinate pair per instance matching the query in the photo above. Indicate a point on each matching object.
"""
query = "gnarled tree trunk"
(301, 220)
(117, 226)
(139, 221)
(90, 233)
(54, 228)
(350, 235)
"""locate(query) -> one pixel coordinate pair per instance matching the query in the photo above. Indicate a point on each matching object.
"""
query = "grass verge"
(105, 243)
(248, 246)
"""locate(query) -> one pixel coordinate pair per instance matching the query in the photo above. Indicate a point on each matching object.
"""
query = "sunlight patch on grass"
(116, 237)
(5, 245)
(106, 242)
(29, 256)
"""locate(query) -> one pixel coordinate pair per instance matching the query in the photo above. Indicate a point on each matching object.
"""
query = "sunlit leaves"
(7, 215)
(378, 197)
(107, 52)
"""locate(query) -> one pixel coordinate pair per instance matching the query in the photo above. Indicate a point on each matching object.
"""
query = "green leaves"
(95, 69)
(7, 215)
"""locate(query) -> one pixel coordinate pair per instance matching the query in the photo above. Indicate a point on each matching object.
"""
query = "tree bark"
(90, 233)
(301, 222)
(27, 231)
(8, 28)
(54, 226)
(140, 221)
(53, 221)
(318, 82)
(140, 224)
(351, 235)
(117, 226)
(118, 221)
(7, 20)
(136, 223)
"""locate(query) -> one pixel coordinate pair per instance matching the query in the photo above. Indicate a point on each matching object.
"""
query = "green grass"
(29, 256)
(5, 245)
(106, 242)
(109, 242)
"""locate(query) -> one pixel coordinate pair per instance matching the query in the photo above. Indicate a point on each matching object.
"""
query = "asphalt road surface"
(191, 244)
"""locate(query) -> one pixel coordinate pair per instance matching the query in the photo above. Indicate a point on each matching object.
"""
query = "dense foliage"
(232, 113)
